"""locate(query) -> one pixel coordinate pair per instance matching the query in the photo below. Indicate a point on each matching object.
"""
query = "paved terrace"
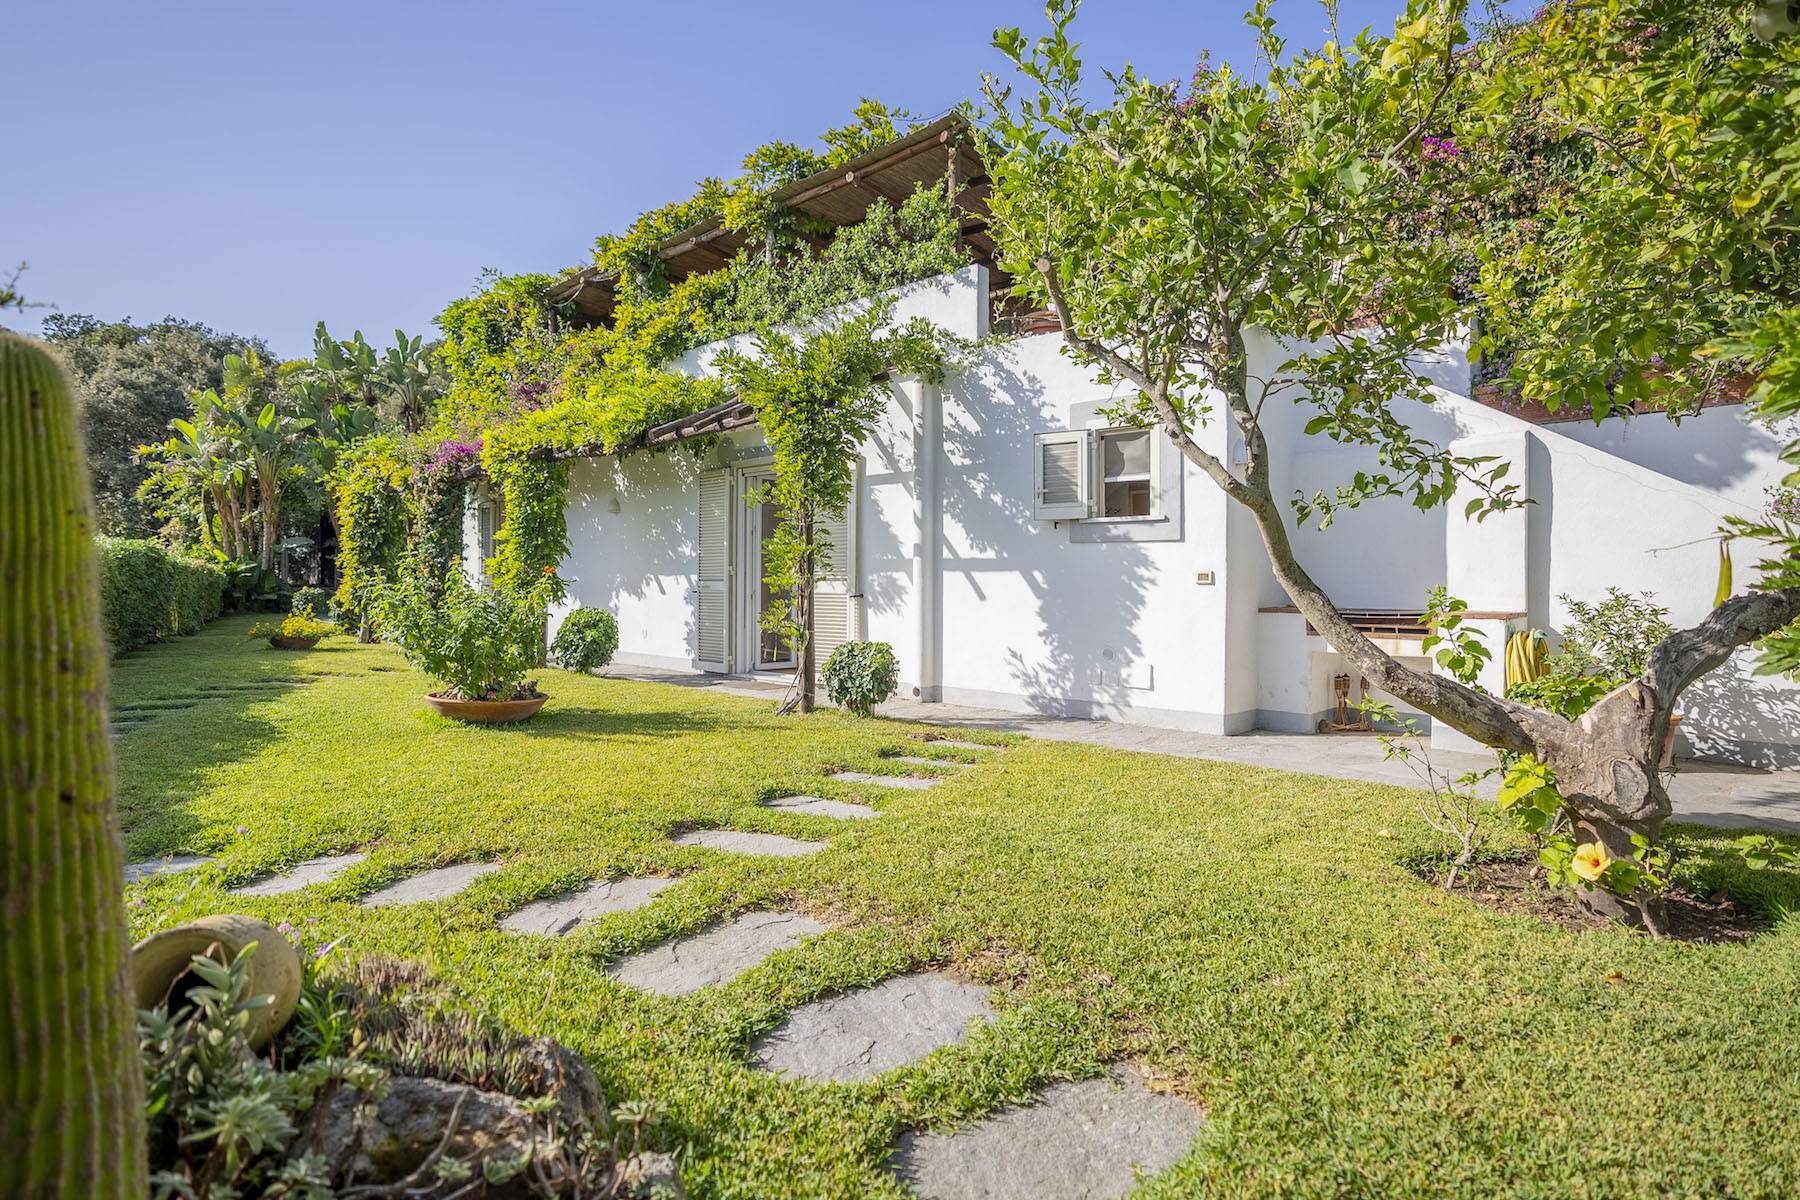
(1704, 792)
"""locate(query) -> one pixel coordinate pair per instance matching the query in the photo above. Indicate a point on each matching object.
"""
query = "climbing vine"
(440, 491)
(375, 510)
(530, 388)
(817, 396)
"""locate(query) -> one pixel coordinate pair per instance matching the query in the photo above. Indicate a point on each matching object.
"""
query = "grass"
(1248, 935)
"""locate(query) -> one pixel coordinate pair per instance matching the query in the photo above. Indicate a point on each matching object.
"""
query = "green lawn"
(1248, 935)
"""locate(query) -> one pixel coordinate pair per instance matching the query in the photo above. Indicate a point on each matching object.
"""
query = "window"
(1126, 489)
(488, 516)
(1062, 473)
(1083, 475)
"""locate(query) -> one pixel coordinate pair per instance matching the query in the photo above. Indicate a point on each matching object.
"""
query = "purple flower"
(243, 829)
(1439, 150)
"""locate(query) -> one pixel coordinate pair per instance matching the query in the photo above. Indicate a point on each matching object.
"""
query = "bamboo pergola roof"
(941, 152)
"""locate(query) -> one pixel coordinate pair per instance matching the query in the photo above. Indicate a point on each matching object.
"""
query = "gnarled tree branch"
(1683, 657)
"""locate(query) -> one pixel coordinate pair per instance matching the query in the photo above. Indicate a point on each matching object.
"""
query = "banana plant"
(269, 438)
(409, 375)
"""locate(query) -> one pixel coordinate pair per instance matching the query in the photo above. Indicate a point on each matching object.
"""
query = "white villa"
(1020, 553)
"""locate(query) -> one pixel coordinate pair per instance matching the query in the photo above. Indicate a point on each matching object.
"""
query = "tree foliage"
(132, 380)
(817, 394)
(1667, 261)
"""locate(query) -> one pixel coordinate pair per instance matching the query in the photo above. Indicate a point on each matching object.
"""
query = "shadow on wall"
(647, 548)
(1735, 717)
(1082, 648)
(884, 560)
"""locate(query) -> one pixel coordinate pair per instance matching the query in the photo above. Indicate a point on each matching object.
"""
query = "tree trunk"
(71, 1083)
(271, 518)
(808, 580)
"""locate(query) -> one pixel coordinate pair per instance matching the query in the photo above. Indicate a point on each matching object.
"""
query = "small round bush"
(586, 639)
(860, 675)
(308, 602)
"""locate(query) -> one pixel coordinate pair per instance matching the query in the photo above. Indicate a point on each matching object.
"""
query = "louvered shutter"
(712, 617)
(1061, 476)
(836, 591)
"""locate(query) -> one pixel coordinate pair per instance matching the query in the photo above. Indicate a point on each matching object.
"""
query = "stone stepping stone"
(736, 841)
(929, 762)
(961, 745)
(166, 865)
(1089, 1139)
(718, 954)
(872, 1030)
(313, 870)
(440, 884)
(559, 914)
(898, 781)
(816, 806)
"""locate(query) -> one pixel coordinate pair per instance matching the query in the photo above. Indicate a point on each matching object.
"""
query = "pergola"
(940, 153)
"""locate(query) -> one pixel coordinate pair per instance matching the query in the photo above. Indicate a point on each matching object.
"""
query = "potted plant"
(296, 631)
(481, 646)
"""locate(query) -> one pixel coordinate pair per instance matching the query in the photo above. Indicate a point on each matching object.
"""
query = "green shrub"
(294, 625)
(479, 645)
(860, 675)
(149, 595)
(308, 602)
(586, 640)
(199, 593)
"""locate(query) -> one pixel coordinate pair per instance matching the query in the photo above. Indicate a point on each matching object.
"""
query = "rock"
(1090, 1139)
(862, 1033)
(407, 1123)
(736, 841)
(566, 1076)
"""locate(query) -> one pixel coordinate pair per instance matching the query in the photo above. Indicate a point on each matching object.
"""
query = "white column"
(927, 570)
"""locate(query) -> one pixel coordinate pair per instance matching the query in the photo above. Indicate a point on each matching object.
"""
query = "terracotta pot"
(288, 643)
(486, 712)
(161, 962)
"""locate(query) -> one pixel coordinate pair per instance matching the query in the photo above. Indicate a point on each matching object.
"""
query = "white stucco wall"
(985, 604)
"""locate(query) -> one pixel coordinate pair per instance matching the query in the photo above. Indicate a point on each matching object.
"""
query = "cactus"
(71, 1086)
(1527, 656)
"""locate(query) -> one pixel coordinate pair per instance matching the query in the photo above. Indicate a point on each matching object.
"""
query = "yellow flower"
(1590, 861)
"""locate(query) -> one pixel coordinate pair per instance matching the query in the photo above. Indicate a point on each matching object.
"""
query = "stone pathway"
(440, 884)
(1080, 1141)
(929, 762)
(715, 955)
(559, 914)
(896, 781)
(305, 874)
(864, 1033)
(815, 806)
(167, 864)
(736, 841)
(962, 745)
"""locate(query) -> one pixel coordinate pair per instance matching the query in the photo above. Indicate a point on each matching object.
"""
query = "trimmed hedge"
(150, 595)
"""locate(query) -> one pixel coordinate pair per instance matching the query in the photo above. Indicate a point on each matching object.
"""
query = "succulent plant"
(70, 1083)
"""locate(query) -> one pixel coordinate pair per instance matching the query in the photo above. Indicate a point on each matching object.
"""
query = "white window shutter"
(712, 618)
(1062, 476)
(837, 590)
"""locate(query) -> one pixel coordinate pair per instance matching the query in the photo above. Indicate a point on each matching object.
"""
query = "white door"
(761, 519)
(712, 616)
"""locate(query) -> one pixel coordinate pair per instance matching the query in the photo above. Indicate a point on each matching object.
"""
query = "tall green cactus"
(71, 1087)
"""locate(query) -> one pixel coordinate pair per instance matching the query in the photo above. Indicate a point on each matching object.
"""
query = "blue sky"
(260, 166)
